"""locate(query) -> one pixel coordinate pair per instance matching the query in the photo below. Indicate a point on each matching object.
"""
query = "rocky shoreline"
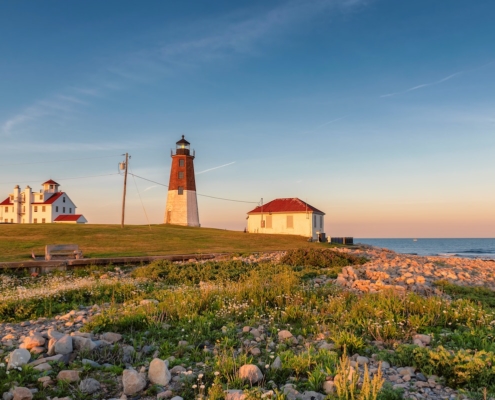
(42, 342)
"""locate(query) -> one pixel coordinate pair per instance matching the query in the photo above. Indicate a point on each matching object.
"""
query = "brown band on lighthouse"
(182, 173)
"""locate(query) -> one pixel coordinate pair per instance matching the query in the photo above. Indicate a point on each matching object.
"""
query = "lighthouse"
(182, 203)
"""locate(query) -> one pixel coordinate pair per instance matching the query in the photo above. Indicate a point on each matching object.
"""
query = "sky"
(378, 112)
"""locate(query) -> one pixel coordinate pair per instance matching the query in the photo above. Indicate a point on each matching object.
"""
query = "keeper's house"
(290, 216)
(47, 206)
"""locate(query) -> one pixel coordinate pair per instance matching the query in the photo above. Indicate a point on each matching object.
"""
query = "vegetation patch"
(477, 294)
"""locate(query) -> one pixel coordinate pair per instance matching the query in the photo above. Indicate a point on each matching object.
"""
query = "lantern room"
(183, 147)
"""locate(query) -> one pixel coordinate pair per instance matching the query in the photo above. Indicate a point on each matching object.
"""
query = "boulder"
(251, 373)
(158, 372)
(89, 385)
(329, 387)
(82, 343)
(68, 375)
(310, 395)
(362, 360)
(22, 393)
(235, 395)
(284, 335)
(277, 363)
(111, 337)
(18, 358)
(43, 367)
(133, 382)
(63, 345)
(33, 341)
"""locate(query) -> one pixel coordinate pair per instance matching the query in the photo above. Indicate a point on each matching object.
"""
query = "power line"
(56, 161)
(62, 179)
(203, 195)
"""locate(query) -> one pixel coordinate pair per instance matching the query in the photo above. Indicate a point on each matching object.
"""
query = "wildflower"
(216, 373)
(200, 376)
(267, 366)
(202, 387)
(194, 386)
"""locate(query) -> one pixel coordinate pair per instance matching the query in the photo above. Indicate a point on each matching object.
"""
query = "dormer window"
(51, 187)
(64, 200)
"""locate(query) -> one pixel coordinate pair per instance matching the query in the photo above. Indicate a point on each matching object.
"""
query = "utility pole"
(125, 187)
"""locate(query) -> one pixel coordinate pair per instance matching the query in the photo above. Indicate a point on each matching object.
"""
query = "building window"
(63, 209)
(321, 221)
(35, 220)
(51, 186)
(181, 175)
(263, 223)
(35, 208)
(269, 221)
(314, 221)
(56, 208)
(43, 220)
(43, 208)
(6, 209)
(290, 221)
(11, 220)
(64, 199)
(181, 163)
(181, 190)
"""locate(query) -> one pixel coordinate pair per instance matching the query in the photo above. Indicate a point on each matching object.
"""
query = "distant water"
(470, 248)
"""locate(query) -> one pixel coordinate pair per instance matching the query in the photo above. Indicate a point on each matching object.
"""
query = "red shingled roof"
(68, 217)
(52, 199)
(6, 202)
(285, 205)
(51, 182)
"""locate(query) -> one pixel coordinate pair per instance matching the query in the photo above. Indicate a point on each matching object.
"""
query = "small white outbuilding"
(289, 216)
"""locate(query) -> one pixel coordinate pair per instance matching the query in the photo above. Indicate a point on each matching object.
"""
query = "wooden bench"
(62, 250)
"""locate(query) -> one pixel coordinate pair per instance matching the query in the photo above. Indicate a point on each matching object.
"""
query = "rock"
(63, 345)
(18, 358)
(39, 361)
(91, 363)
(164, 395)
(425, 339)
(284, 335)
(68, 376)
(326, 346)
(89, 385)
(133, 382)
(178, 369)
(251, 373)
(310, 395)
(255, 351)
(43, 367)
(22, 393)
(277, 363)
(385, 365)
(147, 302)
(82, 343)
(177, 398)
(8, 396)
(33, 341)
(246, 329)
(158, 373)
(111, 337)
(421, 377)
(362, 360)
(53, 334)
(235, 395)
(329, 387)
(255, 332)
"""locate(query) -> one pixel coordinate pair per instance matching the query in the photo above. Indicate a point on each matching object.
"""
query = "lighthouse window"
(181, 163)
(181, 190)
(35, 208)
(181, 175)
(43, 208)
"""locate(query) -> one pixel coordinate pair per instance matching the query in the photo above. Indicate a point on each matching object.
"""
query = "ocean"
(469, 248)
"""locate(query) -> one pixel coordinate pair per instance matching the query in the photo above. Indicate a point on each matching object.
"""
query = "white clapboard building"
(289, 216)
(49, 205)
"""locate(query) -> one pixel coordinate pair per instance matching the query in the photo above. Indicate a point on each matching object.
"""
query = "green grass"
(17, 240)
(477, 294)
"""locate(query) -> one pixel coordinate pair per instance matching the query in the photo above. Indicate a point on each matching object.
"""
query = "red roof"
(285, 205)
(68, 217)
(51, 182)
(6, 202)
(52, 199)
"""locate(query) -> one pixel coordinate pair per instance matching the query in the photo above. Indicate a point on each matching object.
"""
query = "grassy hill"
(18, 240)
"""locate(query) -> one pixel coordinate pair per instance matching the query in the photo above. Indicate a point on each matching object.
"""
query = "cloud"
(447, 78)
(211, 169)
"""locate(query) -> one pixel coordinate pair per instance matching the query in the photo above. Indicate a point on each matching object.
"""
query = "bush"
(322, 258)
